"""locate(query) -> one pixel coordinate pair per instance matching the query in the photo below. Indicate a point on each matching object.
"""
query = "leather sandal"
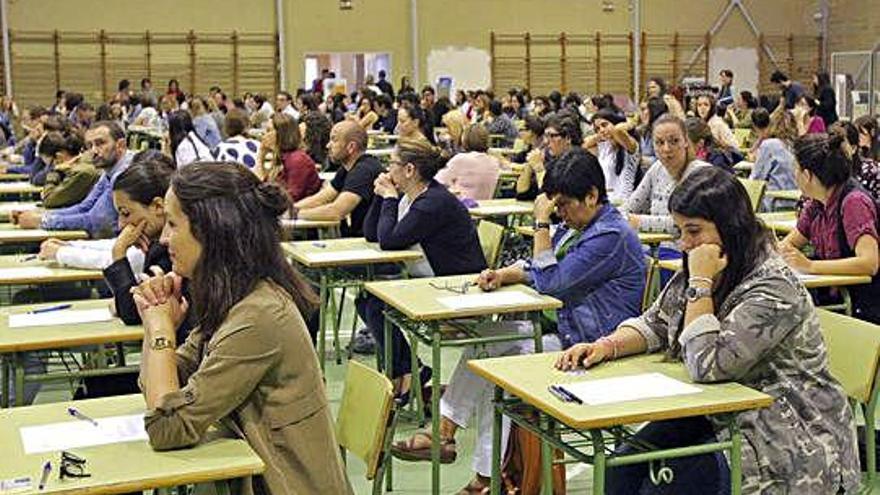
(407, 451)
(477, 486)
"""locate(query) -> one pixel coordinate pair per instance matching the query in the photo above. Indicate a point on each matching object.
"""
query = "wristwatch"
(541, 225)
(694, 294)
(160, 343)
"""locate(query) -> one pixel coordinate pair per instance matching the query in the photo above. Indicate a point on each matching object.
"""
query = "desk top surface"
(810, 281)
(529, 376)
(422, 299)
(119, 467)
(345, 252)
(64, 336)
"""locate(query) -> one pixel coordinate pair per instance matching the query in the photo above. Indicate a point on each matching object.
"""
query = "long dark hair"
(180, 124)
(715, 195)
(426, 126)
(147, 178)
(234, 217)
(614, 118)
(823, 156)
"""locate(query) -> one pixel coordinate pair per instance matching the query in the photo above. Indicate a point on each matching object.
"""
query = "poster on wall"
(335, 86)
(444, 87)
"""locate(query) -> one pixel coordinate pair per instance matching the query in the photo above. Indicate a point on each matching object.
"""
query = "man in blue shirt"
(94, 214)
(593, 263)
(791, 90)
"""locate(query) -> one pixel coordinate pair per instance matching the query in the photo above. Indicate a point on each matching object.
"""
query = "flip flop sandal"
(405, 450)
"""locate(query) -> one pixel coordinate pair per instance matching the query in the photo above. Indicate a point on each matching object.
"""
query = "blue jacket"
(600, 280)
(30, 160)
(94, 214)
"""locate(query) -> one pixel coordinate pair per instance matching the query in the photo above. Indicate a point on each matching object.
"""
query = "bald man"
(351, 190)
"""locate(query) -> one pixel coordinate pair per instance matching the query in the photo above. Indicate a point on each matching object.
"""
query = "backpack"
(521, 470)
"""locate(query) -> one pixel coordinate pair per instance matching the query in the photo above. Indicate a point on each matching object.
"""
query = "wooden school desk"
(417, 307)
(7, 207)
(501, 208)
(841, 282)
(19, 187)
(783, 194)
(120, 467)
(16, 341)
(333, 261)
(527, 378)
(327, 229)
(12, 234)
(13, 177)
(743, 168)
(781, 222)
(17, 269)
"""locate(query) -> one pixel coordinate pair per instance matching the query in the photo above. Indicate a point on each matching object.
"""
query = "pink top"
(471, 175)
(818, 222)
(817, 125)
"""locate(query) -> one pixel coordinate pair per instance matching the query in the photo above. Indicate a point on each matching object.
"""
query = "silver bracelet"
(693, 279)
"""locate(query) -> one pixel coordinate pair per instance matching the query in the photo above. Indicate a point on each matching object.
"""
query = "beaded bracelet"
(693, 279)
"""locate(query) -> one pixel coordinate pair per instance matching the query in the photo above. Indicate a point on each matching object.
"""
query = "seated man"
(94, 214)
(593, 263)
(69, 179)
(351, 190)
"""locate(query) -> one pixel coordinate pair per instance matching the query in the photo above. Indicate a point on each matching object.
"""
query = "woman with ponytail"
(249, 359)
(839, 220)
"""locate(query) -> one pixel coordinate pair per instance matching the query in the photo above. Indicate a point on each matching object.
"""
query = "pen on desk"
(58, 307)
(47, 468)
(557, 393)
(29, 258)
(78, 415)
(571, 396)
(319, 244)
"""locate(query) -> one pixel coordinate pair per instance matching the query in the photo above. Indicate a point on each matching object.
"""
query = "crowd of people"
(194, 256)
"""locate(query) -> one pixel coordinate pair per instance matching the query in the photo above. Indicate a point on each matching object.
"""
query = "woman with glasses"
(721, 317)
(411, 210)
(592, 262)
(561, 132)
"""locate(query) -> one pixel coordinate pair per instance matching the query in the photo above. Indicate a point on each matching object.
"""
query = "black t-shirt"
(359, 180)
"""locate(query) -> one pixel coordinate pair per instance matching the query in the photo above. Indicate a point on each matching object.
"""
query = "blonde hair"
(455, 122)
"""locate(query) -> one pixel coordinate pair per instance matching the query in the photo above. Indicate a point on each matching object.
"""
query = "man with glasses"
(105, 141)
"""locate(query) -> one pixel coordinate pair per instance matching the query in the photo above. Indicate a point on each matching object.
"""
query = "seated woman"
(410, 209)
(203, 123)
(561, 132)
(472, 174)
(720, 131)
(618, 153)
(592, 262)
(774, 161)
(237, 147)
(709, 150)
(412, 123)
(532, 137)
(864, 169)
(291, 166)
(839, 219)
(139, 199)
(249, 359)
(69, 179)
(365, 116)
(647, 208)
(185, 145)
(720, 316)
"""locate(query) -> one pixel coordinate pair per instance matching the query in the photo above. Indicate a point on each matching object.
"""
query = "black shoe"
(363, 342)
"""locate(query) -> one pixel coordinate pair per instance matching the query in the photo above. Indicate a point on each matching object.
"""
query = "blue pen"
(78, 415)
(50, 309)
(571, 397)
(556, 393)
(47, 468)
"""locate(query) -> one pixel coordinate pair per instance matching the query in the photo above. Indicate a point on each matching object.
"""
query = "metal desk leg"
(386, 349)
(4, 381)
(735, 459)
(539, 337)
(598, 461)
(496, 442)
(435, 409)
(18, 367)
(546, 457)
(322, 319)
(847, 300)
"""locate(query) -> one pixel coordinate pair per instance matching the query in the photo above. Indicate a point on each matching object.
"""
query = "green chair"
(491, 239)
(853, 352)
(755, 188)
(366, 421)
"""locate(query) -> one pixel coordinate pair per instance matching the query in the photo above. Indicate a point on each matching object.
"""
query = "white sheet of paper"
(60, 317)
(627, 388)
(486, 299)
(806, 276)
(343, 255)
(500, 209)
(25, 272)
(78, 433)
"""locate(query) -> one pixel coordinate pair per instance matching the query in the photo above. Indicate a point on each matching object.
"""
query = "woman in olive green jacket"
(249, 361)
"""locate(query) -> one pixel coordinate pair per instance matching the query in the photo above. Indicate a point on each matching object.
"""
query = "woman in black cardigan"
(138, 196)
(412, 210)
